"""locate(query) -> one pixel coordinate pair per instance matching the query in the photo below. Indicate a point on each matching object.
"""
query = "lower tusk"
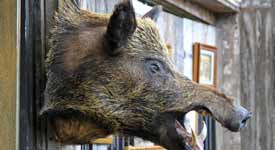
(194, 139)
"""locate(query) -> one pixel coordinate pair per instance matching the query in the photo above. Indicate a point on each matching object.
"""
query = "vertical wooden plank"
(100, 6)
(32, 127)
(161, 24)
(179, 54)
(211, 35)
(27, 137)
(167, 28)
(87, 5)
(197, 32)
(188, 48)
(110, 5)
(188, 60)
(8, 80)
(257, 74)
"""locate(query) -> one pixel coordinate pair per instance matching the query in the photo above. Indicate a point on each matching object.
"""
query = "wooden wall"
(257, 73)
(181, 34)
(246, 42)
(8, 81)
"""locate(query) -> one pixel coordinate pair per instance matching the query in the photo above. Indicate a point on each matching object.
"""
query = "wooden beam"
(185, 8)
(218, 6)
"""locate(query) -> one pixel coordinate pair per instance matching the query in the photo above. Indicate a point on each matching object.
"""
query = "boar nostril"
(243, 122)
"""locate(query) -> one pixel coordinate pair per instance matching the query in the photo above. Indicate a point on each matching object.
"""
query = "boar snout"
(239, 119)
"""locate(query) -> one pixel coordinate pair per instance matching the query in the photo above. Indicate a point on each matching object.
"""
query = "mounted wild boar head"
(111, 74)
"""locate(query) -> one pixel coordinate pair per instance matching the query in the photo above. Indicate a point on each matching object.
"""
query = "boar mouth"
(180, 134)
(233, 120)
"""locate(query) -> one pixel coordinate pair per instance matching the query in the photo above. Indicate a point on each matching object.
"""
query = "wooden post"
(8, 77)
(33, 128)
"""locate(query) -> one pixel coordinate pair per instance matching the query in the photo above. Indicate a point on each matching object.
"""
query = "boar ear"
(122, 25)
(154, 13)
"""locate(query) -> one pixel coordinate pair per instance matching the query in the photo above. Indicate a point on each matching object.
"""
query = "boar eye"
(155, 66)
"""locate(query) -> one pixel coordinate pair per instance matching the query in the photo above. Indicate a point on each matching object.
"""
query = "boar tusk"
(191, 138)
(189, 129)
(194, 138)
(202, 136)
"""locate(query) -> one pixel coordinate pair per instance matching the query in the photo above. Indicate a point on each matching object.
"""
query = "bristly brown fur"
(216, 92)
(70, 20)
(111, 74)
